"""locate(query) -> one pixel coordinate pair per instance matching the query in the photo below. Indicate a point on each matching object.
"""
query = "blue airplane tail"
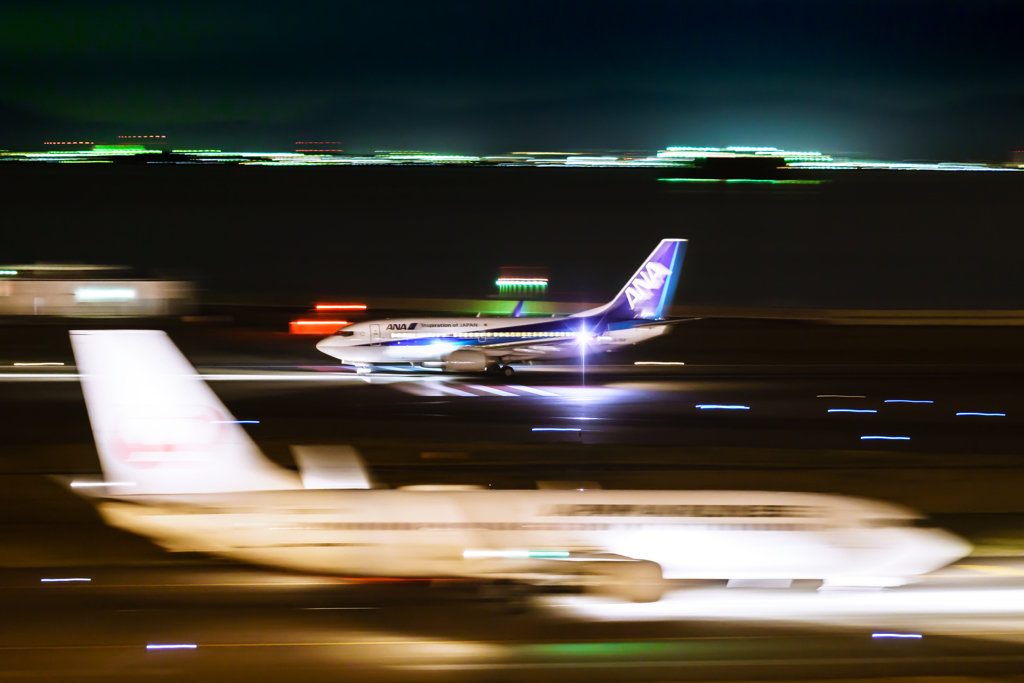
(648, 294)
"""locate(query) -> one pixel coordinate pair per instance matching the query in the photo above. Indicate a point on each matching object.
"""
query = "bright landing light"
(104, 294)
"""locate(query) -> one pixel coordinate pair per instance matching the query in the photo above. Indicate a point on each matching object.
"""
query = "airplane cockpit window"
(345, 333)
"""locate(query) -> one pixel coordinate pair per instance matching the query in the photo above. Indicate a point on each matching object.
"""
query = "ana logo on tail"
(642, 288)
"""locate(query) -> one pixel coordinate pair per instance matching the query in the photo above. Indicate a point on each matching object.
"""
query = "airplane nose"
(948, 547)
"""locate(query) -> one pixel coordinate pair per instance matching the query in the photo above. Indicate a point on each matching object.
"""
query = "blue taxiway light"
(556, 429)
(717, 407)
(850, 410)
(886, 438)
(983, 414)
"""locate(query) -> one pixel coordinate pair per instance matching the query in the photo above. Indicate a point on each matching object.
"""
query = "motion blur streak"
(722, 407)
(947, 611)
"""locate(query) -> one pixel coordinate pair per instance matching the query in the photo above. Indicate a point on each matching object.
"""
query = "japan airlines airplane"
(181, 471)
(490, 344)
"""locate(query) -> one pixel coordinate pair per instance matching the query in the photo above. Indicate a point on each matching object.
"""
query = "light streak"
(319, 322)
(658, 362)
(515, 554)
(850, 410)
(104, 294)
(234, 422)
(341, 307)
(838, 396)
(93, 484)
(556, 429)
(521, 282)
(63, 580)
(905, 400)
(885, 438)
(32, 365)
(896, 635)
(172, 646)
(712, 406)
(982, 414)
(8, 272)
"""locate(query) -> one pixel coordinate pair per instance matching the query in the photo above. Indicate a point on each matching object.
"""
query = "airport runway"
(209, 622)
(622, 426)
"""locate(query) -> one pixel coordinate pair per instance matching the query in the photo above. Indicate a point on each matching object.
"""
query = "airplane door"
(374, 335)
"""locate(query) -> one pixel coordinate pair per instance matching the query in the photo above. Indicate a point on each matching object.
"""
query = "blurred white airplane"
(181, 471)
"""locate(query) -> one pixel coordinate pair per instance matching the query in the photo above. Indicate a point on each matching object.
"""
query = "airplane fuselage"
(493, 534)
(426, 340)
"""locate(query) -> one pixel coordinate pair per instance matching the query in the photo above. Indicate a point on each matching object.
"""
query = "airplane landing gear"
(506, 370)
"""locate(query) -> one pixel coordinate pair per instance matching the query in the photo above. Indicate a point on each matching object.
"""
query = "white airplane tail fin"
(158, 427)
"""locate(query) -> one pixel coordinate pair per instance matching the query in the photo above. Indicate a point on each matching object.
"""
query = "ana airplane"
(180, 470)
(491, 344)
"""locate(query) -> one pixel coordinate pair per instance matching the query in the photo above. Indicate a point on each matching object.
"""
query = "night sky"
(897, 80)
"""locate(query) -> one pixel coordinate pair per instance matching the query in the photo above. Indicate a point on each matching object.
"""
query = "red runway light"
(318, 327)
(341, 307)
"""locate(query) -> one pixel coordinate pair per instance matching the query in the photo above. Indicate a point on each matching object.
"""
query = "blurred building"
(80, 290)
(518, 282)
(1018, 158)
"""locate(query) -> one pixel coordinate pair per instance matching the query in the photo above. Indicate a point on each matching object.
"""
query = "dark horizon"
(892, 80)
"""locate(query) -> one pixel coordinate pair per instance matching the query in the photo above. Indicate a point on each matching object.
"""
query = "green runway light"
(612, 649)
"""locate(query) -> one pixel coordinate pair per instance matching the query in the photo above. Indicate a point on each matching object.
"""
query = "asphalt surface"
(633, 427)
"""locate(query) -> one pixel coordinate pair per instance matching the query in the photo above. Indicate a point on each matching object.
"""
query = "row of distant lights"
(141, 136)
(522, 282)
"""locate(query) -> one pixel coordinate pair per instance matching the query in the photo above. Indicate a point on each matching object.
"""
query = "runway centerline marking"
(533, 390)
(490, 390)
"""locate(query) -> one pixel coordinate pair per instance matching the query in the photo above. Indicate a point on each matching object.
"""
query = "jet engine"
(465, 360)
(631, 580)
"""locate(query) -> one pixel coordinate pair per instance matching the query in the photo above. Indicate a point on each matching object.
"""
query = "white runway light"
(173, 646)
(720, 407)
(63, 580)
